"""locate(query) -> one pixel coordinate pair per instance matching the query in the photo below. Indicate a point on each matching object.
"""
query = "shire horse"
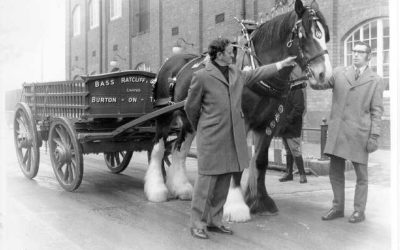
(302, 32)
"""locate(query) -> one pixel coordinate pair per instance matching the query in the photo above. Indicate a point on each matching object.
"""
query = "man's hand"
(372, 144)
(289, 61)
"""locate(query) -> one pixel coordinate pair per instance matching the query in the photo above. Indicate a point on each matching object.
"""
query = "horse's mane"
(277, 28)
(280, 27)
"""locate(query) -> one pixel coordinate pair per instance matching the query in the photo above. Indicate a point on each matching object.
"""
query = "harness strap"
(316, 56)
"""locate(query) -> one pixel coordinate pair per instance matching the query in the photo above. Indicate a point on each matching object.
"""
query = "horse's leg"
(177, 180)
(256, 194)
(154, 186)
(235, 208)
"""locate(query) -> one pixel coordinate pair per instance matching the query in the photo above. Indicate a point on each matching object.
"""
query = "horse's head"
(309, 37)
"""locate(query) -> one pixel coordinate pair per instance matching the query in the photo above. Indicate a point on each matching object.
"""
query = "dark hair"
(217, 45)
(366, 44)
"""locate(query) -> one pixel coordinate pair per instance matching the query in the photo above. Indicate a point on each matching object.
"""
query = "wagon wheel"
(118, 161)
(26, 141)
(65, 154)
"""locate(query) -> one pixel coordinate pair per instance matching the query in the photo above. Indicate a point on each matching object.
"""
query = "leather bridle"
(304, 62)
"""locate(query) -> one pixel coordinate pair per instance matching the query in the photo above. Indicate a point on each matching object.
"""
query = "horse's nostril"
(322, 76)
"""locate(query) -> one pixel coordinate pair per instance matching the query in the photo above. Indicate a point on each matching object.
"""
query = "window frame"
(76, 21)
(94, 14)
(359, 34)
(115, 9)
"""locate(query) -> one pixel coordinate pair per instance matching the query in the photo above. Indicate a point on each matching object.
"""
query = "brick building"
(104, 35)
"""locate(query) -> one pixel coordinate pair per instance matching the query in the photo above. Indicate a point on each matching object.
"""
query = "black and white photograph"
(199, 124)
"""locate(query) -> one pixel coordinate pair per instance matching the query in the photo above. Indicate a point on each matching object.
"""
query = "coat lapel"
(350, 75)
(365, 77)
(216, 73)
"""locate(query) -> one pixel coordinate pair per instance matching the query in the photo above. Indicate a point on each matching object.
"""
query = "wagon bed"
(111, 113)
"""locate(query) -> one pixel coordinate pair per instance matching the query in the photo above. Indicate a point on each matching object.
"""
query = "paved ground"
(110, 212)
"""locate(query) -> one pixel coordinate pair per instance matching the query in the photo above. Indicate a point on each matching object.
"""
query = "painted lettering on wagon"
(133, 90)
(133, 79)
(104, 83)
(104, 99)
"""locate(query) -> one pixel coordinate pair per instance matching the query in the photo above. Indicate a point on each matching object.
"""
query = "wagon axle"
(24, 141)
(62, 155)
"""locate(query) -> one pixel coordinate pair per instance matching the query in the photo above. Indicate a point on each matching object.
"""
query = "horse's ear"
(314, 5)
(299, 8)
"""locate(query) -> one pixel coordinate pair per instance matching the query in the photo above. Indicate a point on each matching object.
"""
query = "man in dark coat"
(353, 128)
(213, 107)
(289, 129)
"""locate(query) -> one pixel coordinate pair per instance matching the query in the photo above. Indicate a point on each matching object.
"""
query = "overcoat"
(291, 120)
(213, 107)
(356, 112)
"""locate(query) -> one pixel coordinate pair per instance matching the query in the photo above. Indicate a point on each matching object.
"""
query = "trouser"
(209, 196)
(293, 153)
(336, 176)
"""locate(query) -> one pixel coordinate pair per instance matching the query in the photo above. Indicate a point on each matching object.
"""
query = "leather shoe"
(357, 217)
(198, 233)
(303, 178)
(220, 229)
(333, 214)
(286, 177)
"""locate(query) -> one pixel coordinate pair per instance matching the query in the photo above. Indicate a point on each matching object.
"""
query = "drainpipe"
(201, 26)
(101, 37)
(130, 33)
(160, 31)
(86, 38)
(243, 9)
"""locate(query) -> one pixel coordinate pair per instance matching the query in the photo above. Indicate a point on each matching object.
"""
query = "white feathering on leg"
(177, 181)
(154, 186)
(235, 208)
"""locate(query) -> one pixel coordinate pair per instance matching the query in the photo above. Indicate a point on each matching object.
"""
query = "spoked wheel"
(118, 161)
(65, 154)
(26, 141)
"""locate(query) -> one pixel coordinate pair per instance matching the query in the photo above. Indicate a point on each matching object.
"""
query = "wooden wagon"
(110, 113)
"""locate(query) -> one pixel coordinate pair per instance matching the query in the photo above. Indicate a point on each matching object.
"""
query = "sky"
(32, 42)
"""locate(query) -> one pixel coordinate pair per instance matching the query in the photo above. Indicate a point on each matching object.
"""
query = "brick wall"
(155, 46)
(187, 30)
(77, 52)
(117, 44)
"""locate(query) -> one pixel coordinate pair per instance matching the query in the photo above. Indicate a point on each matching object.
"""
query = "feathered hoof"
(159, 194)
(185, 192)
(235, 209)
(237, 213)
(263, 205)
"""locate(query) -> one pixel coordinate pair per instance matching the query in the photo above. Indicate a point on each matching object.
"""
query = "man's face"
(360, 55)
(226, 56)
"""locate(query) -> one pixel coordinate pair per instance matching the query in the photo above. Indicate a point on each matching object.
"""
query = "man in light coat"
(353, 128)
(213, 107)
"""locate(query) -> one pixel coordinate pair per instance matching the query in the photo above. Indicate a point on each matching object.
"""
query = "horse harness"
(295, 33)
(304, 63)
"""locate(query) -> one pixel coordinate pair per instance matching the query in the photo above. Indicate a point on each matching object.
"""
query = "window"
(144, 16)
(377, 34)
(94, 13)
(115, 9)
(220, 18)
(175, 31)
(76, 21)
